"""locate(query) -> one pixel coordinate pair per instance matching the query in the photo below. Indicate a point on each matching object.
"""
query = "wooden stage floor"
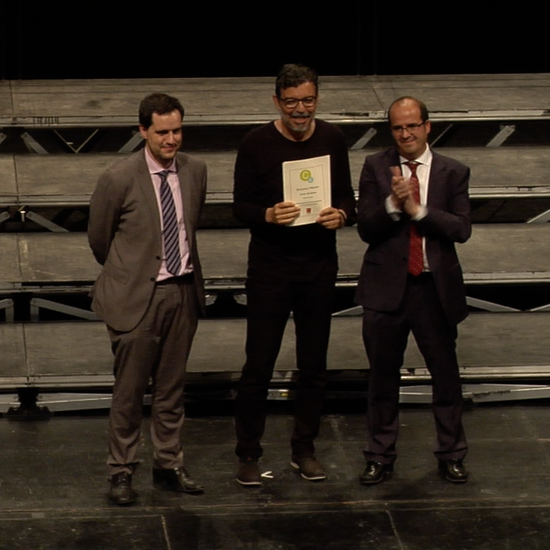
(54, 485)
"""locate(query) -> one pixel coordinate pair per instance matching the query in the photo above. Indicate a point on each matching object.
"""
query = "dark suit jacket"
(125, 236)
(384, 271)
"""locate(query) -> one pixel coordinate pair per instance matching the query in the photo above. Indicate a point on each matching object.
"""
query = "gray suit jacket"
(385, 266)
(125, 236)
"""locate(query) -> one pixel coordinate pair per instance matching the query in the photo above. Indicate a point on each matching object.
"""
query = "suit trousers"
(157, 350)
(270, 303)
(385, 335)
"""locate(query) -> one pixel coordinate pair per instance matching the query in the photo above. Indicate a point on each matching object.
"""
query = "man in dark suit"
(413, 207)
(143, 218)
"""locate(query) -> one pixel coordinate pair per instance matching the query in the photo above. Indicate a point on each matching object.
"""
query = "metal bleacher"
(56, 137)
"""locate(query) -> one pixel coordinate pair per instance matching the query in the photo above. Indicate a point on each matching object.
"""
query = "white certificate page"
(307, 183)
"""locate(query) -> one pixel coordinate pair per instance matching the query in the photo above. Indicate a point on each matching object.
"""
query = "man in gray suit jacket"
(413, 207)
(143, 218)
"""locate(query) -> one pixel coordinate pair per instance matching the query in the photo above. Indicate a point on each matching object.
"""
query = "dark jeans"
(270, 303)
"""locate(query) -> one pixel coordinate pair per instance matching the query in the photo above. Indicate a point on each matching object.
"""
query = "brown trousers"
(157, 350)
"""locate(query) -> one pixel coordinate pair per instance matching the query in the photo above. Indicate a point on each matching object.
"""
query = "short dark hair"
(162, 104)
(292, 75)
(420, 104)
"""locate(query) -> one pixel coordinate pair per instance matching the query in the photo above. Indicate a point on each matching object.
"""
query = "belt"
(181, 279)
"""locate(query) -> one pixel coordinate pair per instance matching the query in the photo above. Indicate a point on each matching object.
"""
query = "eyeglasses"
(411, 128)
(292, 102)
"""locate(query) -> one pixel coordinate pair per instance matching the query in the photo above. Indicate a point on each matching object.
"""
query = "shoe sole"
(310, 478)
(248, 483)
(453, 480)
(163, 486)
(123, 502)
(384, 477)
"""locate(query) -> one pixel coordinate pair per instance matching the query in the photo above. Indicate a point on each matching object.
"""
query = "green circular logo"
(305, 175)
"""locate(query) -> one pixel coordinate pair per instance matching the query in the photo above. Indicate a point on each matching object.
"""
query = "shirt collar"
(424, 158)
(154, 167)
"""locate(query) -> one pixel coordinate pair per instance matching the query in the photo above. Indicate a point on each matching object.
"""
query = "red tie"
(416, 258)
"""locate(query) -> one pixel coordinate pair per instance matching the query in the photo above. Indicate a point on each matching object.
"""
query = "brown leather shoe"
(175, 479)
(310, 468)
(121, 489)
(248, 473)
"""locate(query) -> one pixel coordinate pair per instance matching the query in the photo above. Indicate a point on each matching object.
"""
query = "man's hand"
(402, 193)
(400, 188)
(282, 213)
(331, 218)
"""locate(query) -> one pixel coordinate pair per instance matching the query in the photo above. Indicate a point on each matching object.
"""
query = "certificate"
(307, 184)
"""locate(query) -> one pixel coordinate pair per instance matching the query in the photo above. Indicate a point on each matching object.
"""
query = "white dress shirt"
(424, 162)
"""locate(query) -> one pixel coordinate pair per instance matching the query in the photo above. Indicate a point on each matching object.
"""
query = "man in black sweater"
(291, 267)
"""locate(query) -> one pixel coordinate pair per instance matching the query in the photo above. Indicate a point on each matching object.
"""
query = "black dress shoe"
(176, 479)
(375, 472)
(121, 489)
(453, 470)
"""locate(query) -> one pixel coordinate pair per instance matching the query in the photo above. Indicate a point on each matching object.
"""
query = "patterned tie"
(416, 258)
(170, 226)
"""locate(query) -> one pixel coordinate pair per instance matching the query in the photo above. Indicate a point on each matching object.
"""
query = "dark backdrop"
(192, 39)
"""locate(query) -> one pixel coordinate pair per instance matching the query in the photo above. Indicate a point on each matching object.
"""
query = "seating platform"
(58, 180)
(500, 191)
(58, 259)
(212, 101)
(77, 354)
(57, 137)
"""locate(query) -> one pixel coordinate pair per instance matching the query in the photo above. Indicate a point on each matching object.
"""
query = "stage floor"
(54, 482)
